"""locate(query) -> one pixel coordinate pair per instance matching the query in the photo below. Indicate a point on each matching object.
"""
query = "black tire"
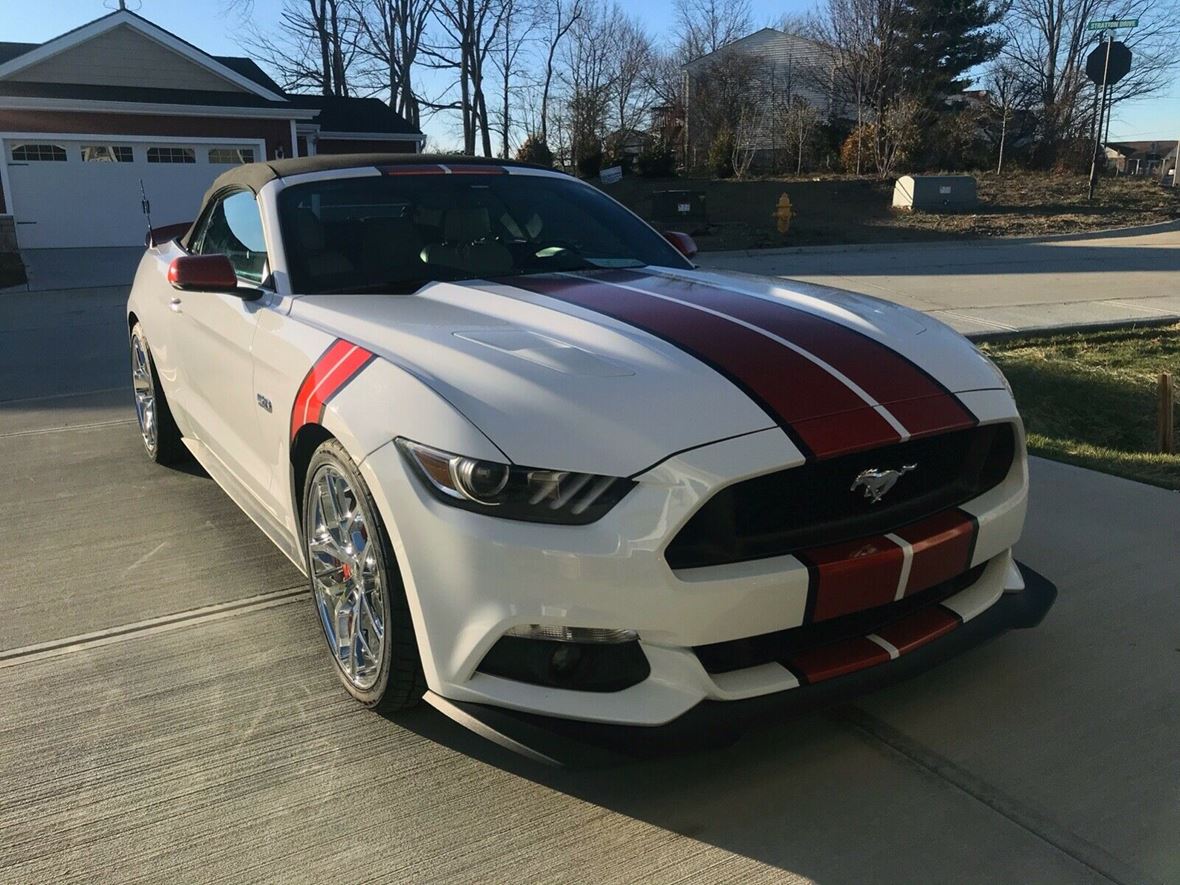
(164, 446)
(400, 682)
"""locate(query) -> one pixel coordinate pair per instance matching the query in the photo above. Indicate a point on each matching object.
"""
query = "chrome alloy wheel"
(346, 577)
(145, 392)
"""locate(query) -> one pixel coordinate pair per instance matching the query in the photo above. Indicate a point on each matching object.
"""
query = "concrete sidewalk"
(983, 286)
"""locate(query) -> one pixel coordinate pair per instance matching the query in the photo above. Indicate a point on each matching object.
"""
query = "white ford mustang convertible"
(545, 473)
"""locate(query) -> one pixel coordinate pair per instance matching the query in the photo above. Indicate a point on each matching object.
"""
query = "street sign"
(1113, 24)
(1114, 68)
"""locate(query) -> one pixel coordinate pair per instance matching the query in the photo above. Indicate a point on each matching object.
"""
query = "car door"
(213, 336)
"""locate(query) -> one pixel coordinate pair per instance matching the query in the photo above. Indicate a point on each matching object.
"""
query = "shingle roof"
(140, 94)
(353, 114)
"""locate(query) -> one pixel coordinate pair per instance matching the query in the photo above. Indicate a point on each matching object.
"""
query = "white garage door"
(85, 192)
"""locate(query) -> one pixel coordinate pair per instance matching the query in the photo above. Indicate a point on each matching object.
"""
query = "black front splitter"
(553, 740)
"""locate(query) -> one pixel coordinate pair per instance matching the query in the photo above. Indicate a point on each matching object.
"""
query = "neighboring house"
(88, 116)
(1141, 157)
(763, 72)
(629, 143)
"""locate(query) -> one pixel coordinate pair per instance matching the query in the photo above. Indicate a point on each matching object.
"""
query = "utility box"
(686, 208)
(935, 193)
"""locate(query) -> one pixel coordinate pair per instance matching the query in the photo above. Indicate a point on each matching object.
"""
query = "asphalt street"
(166, 712)
(997, 286)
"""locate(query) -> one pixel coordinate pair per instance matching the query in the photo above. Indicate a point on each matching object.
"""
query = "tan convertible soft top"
(253, 176)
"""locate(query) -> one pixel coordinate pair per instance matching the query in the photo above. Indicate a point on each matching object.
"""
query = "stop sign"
(1117, 68)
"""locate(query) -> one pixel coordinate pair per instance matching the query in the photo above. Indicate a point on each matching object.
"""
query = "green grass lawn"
(1090, 398)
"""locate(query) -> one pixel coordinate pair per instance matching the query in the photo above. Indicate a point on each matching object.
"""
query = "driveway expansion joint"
(879, 733)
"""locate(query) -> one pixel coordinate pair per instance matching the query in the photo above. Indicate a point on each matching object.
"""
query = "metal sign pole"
(1101, 112)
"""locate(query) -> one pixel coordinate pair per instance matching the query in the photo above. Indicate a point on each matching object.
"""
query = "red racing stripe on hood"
(790, 388)
(916, 399)
(328, 375)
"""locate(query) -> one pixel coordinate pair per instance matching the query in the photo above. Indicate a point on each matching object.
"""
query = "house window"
(231, 156)
(171, 155)
(101, 153)
(38, 153)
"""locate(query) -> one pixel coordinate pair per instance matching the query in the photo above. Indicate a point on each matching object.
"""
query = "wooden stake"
(1165, 426)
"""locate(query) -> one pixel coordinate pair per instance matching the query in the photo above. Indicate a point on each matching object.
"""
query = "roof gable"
(115, 50)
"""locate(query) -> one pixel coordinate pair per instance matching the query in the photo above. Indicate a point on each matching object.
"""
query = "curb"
(1103, 326)
(1108, 233)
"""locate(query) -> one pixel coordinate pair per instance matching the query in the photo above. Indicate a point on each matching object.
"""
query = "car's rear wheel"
(356, 586)
(160, 435)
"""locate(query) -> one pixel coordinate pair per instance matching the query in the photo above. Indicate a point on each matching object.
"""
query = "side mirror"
(684, 244)
(207, 273)
(158, 236)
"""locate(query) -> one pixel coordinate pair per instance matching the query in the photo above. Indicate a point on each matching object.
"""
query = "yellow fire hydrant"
(783, 213)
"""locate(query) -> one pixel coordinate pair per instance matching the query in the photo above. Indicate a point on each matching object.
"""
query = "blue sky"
(206, 24)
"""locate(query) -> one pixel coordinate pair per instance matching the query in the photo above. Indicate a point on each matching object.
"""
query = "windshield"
(397, 232)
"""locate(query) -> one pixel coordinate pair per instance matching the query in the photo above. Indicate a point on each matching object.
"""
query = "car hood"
(611, 372)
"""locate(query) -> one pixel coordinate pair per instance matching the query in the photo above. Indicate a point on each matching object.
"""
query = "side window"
(234, 228)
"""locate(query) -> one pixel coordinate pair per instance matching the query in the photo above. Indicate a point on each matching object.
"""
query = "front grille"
(814, 505)
(781, 646)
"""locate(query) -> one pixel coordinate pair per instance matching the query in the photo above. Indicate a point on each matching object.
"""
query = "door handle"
(174, 305)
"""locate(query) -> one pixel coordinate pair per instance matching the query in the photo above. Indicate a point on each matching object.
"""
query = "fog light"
(582, 659)
(565, 659)
(572, 634)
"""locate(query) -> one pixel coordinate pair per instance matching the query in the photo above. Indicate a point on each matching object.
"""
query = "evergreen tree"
(943, 40)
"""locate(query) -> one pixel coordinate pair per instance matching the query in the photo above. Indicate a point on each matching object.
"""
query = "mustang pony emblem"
(877, 483)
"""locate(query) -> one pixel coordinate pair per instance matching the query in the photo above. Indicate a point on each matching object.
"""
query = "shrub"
(656, 162)
(534, 150)
(862, 139)
(590, 161)
(721, 154)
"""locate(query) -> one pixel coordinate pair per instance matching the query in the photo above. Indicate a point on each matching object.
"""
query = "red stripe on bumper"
(851, 577)
(788, 386)
(837, 659)
(924, 625)
(943, 546)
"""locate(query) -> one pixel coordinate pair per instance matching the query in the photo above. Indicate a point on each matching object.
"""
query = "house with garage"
(119, 108)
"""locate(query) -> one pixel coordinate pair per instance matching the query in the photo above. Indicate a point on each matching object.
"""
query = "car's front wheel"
(356, 586)
(160, 435)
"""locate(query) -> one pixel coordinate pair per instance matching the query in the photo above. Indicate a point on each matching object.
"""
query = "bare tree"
(517, 21)
(470, 28)
(313, 46)
(588, 77)
(393, 31)
(860, 39)
(1048, 42)
(563, 15)
(1003, 97)
(704, 26)
(802, 121)
(632, 56)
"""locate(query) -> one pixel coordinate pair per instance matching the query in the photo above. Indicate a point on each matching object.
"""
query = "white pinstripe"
(327, 375)
(827, 367)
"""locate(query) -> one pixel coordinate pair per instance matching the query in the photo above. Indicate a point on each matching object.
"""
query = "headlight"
(529, 494)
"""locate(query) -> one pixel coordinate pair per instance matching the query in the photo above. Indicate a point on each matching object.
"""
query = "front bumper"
(559, 741)
(469, 578)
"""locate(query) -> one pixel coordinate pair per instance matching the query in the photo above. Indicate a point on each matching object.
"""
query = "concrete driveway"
(50, 270)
